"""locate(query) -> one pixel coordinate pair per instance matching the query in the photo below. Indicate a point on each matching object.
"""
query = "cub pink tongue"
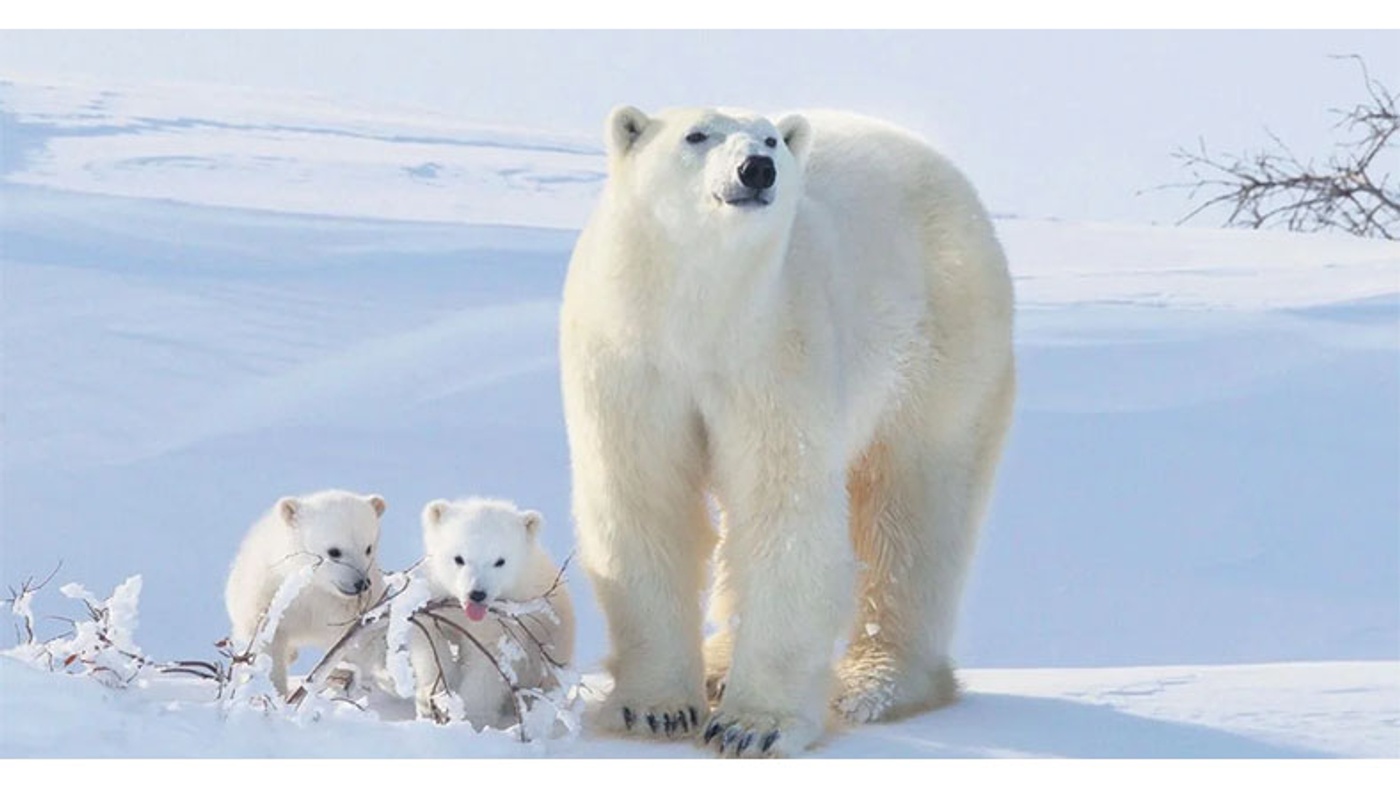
(476, 611)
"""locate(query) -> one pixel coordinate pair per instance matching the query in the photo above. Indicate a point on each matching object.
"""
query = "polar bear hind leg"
(917, 498)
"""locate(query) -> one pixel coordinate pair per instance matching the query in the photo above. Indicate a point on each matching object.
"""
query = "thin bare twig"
(28, 588)
(1275, 188)
(514, 689)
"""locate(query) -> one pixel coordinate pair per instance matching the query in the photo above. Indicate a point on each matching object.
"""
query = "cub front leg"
(435, 671)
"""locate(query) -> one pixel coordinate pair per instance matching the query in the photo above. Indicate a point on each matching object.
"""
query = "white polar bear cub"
(333, 530)
(481, 552)
(810, 319)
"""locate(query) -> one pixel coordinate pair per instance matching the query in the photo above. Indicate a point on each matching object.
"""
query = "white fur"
(482, 532)
(835, 367)
(296, 532)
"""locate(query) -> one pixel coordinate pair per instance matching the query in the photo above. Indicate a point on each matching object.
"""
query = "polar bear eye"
(459, 561)
(334, 552)
(696, 137)
(771, 142)
(368, 550)
(500, 561)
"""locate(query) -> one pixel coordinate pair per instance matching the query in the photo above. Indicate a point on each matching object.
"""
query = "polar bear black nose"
(361, 585)
(758, 172)
(477, 596)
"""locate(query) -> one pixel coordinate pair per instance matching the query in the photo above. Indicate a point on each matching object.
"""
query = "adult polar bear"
(811, 320)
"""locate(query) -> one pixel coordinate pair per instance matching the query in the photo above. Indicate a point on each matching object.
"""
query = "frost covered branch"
(21, 603)
(102, 646)
(406, 603)
(1352, 190)
(515, 698)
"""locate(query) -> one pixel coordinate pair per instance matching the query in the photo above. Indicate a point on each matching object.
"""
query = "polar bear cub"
(479, 553)
(336, 532)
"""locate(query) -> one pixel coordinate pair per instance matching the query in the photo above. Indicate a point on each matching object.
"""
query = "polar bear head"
(728, 174)
(341, 531)
(477, 550)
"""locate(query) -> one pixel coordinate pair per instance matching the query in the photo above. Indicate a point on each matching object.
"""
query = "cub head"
(341, 529)
(693, 167)
(476, 550)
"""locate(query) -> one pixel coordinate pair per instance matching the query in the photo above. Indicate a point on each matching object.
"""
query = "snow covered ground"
(1255, 711)
(212, 298)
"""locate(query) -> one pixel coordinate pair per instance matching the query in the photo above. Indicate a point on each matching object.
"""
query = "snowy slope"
(213, 298)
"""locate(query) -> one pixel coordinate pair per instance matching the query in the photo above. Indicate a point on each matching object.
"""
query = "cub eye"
(696, 137)
(369, 550)
(459, 561)
(334, 552)
(771, 142)
(500, 561)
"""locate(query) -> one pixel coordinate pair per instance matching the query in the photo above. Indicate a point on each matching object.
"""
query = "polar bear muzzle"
(758, 172)
(756, 176)
(349, 580)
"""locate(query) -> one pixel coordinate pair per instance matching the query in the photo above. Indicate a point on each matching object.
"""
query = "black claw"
(731, 737)
(744, 743)
(668, 723)
(628, 718)
(681, 723)
(768, 741)
(712, 730)
(694, 718)
(651, 722)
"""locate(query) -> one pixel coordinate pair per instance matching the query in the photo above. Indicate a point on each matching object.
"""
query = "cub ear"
(287, 509)
(532, 521)
(797, 135)
(378, 503)
(625, 125)
(432, 513)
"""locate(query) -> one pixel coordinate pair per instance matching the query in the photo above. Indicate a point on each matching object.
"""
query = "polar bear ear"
(287, 509)
(377, 503)
(432, 513)
(532, 521)
(625, 125)
(797, 135)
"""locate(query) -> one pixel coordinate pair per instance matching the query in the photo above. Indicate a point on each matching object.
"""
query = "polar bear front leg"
(790, 569)
(643, 541)
(719, 645)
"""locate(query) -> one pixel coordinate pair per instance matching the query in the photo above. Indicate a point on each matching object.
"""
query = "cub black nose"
(477, 596)
(361, 585)
(758, 172)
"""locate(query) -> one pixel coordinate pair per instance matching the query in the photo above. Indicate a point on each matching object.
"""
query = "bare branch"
(514, 689)
(1275, 188)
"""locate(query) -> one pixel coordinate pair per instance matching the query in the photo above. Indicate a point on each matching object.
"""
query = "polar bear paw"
(864, 701)
(674, 719)
(876, 689)
(753, 735)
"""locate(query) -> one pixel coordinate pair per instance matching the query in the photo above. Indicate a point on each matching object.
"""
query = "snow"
(402, 605)
(233, 148)
(1281, 710)
(213, 298)
(287, 592)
